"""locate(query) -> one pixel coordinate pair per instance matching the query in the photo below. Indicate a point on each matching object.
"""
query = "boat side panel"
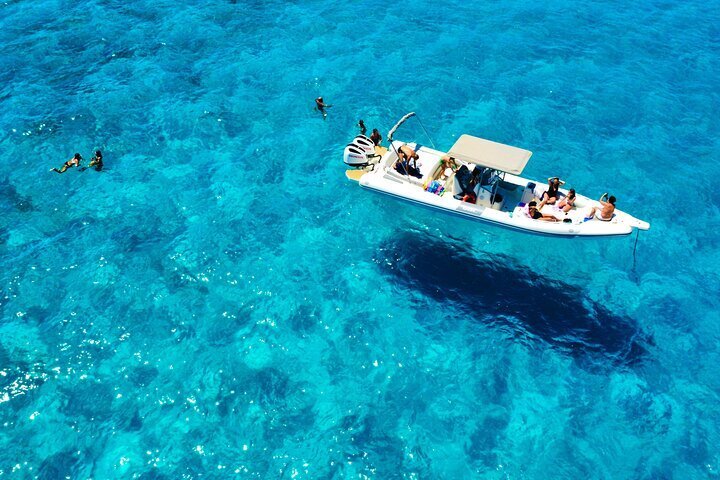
(412, 194)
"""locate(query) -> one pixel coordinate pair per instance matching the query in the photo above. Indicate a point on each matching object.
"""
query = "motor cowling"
(359, 152)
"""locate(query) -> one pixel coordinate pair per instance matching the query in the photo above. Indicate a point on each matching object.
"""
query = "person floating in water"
(361, 124)
(320, 105)
(376, 137)
(73, 162)
(96, 161)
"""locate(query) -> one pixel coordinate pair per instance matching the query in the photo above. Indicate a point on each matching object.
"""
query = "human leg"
(543, 200)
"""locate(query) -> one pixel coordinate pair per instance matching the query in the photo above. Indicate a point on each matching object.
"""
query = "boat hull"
(508, 213)
(489, 216)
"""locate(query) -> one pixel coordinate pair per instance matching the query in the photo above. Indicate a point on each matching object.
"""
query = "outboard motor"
(359, 152)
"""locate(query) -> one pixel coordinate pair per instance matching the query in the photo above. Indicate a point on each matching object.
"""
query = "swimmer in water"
(363, 129)
(96, 161)
(73, 162)
(320, 105)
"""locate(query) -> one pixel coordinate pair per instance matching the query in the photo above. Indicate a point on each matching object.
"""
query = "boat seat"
(394, 173)
(456, 185)
(450, 182)
(528, 194)
(522, 209)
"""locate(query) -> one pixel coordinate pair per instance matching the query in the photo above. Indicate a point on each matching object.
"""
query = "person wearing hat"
(73, 162)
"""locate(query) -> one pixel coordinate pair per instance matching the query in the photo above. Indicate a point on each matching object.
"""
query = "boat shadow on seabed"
(497, 289)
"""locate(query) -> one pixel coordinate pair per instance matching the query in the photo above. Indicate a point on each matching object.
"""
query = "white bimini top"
(486, 153)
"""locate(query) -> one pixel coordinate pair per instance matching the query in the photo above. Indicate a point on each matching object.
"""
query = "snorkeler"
(363, 129)
(73, 162)
(320, 105)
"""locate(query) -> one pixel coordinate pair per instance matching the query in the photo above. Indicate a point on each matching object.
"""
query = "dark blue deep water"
(220, 301)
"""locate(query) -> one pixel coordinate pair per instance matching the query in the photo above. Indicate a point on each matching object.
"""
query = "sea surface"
(221, 302)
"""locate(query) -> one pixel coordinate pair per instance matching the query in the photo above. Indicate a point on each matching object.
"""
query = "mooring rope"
(637, 236)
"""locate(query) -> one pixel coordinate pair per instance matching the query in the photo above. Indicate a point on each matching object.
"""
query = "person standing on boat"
(376, 137)
(408, 154)
(551, 195)
(363, 129)
(320, 105)
(73, 162)
(405, 154)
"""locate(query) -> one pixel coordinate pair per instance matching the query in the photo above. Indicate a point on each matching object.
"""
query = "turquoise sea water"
(221, 302)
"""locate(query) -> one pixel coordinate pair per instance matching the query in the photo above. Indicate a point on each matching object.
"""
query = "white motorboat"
(484, 185)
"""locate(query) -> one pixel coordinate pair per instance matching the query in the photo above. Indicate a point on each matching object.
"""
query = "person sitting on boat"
(568, 202)
(550, 196)
(605, 213)
(535, 213)
(449, 162)
(73, 162)
(376, 137)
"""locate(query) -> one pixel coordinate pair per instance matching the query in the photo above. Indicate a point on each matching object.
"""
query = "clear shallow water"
(221, 301)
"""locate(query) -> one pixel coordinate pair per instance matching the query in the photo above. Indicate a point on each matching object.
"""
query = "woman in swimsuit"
(568, 202)
(535, 214)
(73, 162)
(376, 137)
(550, 196)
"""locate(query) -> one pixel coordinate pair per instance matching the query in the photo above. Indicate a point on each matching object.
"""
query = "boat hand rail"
(400, 122)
